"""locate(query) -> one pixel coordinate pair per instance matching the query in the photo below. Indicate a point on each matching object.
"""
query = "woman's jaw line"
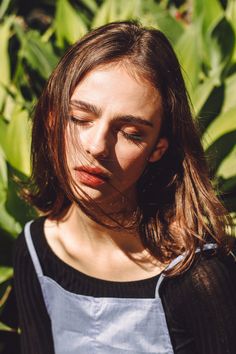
(115, 205)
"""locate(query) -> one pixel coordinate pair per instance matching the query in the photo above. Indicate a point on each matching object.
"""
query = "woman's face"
(113, 132)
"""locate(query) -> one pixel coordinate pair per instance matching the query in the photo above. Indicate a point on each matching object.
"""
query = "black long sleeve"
(36, 334)
(200, 305)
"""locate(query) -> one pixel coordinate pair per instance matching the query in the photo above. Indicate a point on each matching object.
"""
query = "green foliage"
(68, 24)
(203, 35)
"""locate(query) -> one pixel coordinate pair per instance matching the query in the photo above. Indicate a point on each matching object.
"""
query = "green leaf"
(4, 58)
(227, 168)
(17, 144)
(134, 9)
(163, 20)
(38, 54)
(210, 11)
(104, 14)
(3, 129)
(15, 205)
(5, 273)
(90, 4)
(223, 124)
(6, 328)
(10, 101)
(220, 150)
(3, 177)
(228, 186)
(218, 48)
(231, 17)
(187, 49)
(8, 223)
(112, 10)
(3, 7)
(68, 23)
(148, 12)
(202, 93)
(230, 93)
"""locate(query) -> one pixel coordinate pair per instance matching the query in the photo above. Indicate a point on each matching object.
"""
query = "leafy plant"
(203, 35)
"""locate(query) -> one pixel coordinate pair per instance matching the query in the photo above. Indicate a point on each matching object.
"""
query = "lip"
(91, 176)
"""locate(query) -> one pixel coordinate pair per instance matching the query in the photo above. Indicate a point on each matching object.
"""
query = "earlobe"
(159, 150)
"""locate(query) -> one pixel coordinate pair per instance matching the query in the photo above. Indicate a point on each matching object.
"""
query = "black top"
(200, 305)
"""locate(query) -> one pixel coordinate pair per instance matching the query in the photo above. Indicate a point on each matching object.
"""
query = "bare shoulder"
(51, 228)
(53, 232)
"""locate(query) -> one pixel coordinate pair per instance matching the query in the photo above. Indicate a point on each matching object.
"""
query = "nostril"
(98, 149)
(98, 140)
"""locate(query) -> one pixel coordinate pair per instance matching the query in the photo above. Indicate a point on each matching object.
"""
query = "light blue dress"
(90, 325)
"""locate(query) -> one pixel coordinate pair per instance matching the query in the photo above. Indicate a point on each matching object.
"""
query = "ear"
(159, 150)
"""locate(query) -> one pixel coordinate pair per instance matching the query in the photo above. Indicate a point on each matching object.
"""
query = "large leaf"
(109, 11)
(68, 23)
(8, 223)
(223, 124)
(188, 49)
(3, 129)
(148, 12)
(227, 168)
(202, 93)
(3, 8)
(15, 205)
(166, 23)
(39, 55)
(212, 107)
(90, 4)
(4, 327)
(10, 101)
(17, 145)
(5, 273)
(218, 49)
(231, 16)
(4, 58)
(210, 11)
(230, 93)
(3, 177)
(218, 153)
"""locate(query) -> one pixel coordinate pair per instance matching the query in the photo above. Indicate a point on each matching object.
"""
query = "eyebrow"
(129, 118)
(86, 107)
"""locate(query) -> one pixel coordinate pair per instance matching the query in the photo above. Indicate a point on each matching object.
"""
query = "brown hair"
(179, 209)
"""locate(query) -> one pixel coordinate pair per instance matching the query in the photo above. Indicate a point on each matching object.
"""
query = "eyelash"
(78, 121)
(134, 138)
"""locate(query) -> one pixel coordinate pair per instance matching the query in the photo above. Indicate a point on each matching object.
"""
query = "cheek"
(133, 161)
(74, 147)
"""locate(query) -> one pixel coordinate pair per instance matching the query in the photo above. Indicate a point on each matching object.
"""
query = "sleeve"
(35, 325)
(201, 307)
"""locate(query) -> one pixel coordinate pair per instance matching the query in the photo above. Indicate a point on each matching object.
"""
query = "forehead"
(116, 89)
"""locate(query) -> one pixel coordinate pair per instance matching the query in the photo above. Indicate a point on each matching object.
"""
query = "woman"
(130, 255)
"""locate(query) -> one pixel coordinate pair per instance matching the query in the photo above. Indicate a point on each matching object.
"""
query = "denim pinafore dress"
(90, 325)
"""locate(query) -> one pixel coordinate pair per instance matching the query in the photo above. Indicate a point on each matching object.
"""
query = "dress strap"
(177, 260)
(31, 248)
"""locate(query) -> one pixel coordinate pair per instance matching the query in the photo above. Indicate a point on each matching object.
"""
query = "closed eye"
(79, 121)
(133, 137)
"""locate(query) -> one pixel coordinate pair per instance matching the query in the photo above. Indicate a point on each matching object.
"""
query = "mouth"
(91, 176)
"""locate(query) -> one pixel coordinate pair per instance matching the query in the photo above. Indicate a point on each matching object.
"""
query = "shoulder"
(210, 276)
(201, 302)
(21, 252)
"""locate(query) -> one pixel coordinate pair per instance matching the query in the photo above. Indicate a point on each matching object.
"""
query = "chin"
(88, 194)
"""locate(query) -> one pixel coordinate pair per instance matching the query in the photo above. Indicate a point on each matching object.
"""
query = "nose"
(98, 142)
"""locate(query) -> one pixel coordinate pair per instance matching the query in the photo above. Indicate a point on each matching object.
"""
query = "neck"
(126, 238)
